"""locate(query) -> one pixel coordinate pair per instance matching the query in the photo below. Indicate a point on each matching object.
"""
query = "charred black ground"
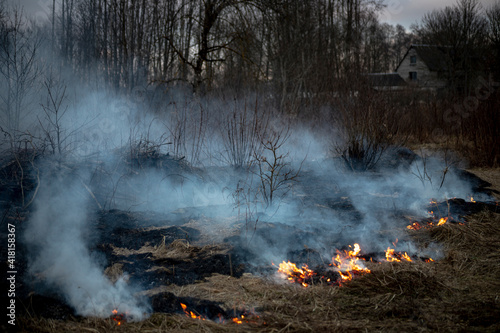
(158, 249)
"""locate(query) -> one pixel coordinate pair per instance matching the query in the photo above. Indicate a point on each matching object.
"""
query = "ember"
(119, 318)
(191, 313)
(427, 224)
(220, 318)
(414, 226)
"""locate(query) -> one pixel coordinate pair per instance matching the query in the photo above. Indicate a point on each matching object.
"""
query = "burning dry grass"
(460, 292)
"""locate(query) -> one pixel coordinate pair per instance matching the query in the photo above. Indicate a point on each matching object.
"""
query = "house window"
(413, 76)
(413, 60)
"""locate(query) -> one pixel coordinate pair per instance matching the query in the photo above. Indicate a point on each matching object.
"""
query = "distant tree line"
(304, 58)
(294, 50)
(295, 47)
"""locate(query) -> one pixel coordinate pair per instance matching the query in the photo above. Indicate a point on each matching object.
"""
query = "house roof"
(432, 55)
(385, 80)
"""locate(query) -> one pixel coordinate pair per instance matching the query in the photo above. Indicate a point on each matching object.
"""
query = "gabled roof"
(385, 80)
(432, 55)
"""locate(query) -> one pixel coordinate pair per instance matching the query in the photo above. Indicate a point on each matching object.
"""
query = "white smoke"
(58, 234)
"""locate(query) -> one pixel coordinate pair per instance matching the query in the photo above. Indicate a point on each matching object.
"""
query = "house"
(425, 66)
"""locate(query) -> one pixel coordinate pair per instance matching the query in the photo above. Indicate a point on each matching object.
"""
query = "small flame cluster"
(392, 256)
(427, 225)
(191, 313)
(237, 320)
(435, 221)
(118, 318)
(347, 263)
(295, 274)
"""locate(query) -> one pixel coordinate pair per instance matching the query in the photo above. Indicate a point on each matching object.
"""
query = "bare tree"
(19, 70)
(54, 110)
(461, 31)
(493, 17)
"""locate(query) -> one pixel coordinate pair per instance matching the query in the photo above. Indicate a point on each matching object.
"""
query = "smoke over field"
(228, 169)
(193, 166)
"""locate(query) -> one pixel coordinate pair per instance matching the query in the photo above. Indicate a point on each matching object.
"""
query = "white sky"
(404, 12)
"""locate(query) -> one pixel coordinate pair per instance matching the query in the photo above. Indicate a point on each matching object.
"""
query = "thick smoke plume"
(59, 235)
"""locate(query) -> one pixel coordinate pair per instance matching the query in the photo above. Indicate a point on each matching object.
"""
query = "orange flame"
(347, 263)
(406, 257)
(392, 255)
(356, 251)
(442, 220)
(389, 255)
(427, 225)
(296, 274)
(237, 320)
(190, 313)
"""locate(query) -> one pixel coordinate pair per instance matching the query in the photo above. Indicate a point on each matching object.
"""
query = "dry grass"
(460, 292)
(492, 176)
(179, 249)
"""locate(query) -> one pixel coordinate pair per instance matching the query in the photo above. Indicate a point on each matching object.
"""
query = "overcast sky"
(404, 12)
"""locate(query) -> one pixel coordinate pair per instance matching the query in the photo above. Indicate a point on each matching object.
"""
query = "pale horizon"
(404, 12)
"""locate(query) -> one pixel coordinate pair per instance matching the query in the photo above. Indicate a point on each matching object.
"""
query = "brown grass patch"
(179, 249)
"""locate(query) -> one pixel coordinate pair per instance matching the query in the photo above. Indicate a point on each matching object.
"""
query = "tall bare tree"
(461, 31)
(19, 70)
(493, 17)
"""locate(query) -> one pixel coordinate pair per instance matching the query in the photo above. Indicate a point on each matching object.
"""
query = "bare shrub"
(241, 127)
(274, 171)
(187, 125)
(144, 151)
(478, 141)
(55, 107)
(368, 122)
